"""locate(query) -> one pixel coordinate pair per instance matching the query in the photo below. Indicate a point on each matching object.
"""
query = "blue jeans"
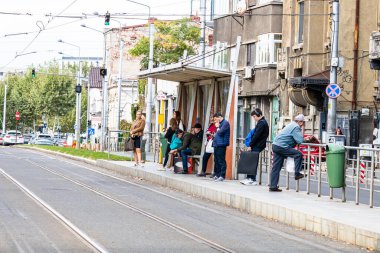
(253, 177)
(184, 154)
(220, 161)
(279, 154)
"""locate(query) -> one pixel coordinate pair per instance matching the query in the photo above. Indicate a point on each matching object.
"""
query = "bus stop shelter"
(201, 93)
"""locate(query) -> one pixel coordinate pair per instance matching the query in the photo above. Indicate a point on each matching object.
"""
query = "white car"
(10, 138)
(44, 139)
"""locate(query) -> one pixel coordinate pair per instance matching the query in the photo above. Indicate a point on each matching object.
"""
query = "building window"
(266, 48)
(221, 56)
(251, 54)
(301, 12)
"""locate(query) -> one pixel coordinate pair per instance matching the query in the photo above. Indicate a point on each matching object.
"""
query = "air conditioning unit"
(249, 72)
(374, 46)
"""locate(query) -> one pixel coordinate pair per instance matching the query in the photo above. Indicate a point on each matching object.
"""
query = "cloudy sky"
(43, 31)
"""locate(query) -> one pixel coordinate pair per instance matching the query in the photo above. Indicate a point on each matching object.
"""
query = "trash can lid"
(335, 149)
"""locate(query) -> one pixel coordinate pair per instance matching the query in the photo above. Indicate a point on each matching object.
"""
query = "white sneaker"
(214, 178)
(219, 179)
(248, 181)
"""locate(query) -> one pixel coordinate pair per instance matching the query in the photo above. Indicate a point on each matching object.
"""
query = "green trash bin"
(164, 144)
(335, 158)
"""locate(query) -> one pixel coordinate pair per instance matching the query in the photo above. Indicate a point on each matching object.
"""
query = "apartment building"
(304, 66)
(259, 23)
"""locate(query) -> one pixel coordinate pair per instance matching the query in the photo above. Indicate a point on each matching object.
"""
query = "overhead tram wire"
(39, 32)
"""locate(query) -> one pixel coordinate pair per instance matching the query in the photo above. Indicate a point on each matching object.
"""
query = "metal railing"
(361, 167)
(116, 143)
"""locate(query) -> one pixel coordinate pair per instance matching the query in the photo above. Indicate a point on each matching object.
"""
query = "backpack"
(176, 142)
(247, 139)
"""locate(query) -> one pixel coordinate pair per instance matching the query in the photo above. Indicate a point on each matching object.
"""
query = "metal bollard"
(372, 183)
(344, 187)
(261, 169)
(320, 172)
(270, 164)
(357, 178)
(108, 144)
(331, 193)
(308, 172)
(287, 180)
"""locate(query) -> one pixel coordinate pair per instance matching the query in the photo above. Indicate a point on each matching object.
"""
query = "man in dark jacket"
(191, 145)
(220, 143)
(258, 140)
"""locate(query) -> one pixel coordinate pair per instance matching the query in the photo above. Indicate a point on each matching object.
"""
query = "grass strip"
(93, 155)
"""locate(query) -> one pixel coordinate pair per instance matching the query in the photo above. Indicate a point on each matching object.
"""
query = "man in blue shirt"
(283, 147)
(220, 143)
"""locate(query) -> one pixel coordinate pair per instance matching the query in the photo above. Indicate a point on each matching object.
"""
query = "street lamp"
(150, 66)
(104, 87)
(78, 96)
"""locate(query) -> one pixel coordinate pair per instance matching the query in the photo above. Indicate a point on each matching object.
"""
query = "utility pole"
(119, 82)
(202, 42)
(149, 102)
(331, 113)
(5, 104)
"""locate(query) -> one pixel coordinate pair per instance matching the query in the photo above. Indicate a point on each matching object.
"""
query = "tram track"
(149, 215)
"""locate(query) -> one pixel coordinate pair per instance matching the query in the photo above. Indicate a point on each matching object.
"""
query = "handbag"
(178, 166)
(290, 166)
(248, 162)
(209, 147)
(129, 144)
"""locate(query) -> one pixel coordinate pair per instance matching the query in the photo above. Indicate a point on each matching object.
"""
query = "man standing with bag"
(283, 147)
(220, 143)
(258, 141)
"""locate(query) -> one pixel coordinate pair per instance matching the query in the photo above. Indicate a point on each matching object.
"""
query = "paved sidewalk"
(359, 225)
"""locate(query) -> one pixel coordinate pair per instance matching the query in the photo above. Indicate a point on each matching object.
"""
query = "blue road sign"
(333, 90)
(91, 131)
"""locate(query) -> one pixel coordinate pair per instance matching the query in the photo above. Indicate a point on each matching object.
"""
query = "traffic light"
(89, 123)
(33, 73)
(108, 17)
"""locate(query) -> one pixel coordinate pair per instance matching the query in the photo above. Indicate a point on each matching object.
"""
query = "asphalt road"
(51, 204)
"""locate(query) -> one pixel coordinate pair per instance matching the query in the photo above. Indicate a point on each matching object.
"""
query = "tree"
(50, 94)
(171, 39)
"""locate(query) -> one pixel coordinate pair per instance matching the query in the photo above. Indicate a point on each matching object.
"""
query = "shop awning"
(317, 81)
(179, 72)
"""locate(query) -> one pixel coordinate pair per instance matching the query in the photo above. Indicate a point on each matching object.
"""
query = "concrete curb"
(303, 218)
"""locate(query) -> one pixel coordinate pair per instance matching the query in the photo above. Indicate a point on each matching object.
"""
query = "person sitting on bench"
(191, 145)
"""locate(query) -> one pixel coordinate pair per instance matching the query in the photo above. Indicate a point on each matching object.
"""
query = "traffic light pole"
(78, 107)
(331, 113)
